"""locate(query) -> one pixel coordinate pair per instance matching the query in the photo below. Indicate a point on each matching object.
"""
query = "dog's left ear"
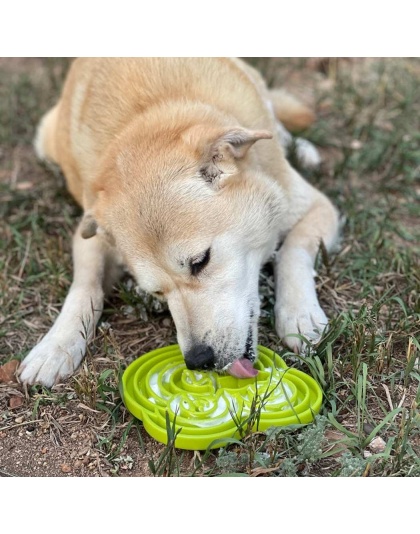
(222, 153)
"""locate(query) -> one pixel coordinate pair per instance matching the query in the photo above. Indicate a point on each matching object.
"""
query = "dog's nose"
(200, 357)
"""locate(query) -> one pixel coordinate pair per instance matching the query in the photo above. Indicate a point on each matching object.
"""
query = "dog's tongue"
(242, 368)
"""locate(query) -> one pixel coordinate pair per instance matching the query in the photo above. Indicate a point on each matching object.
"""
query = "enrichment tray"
(206, 406)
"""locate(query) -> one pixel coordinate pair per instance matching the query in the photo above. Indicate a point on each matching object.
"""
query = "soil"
(64, 440)
(65, 447)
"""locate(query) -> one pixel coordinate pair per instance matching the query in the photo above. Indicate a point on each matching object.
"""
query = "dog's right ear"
(88, 226)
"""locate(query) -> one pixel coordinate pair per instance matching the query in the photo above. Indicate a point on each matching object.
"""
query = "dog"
(179, 166)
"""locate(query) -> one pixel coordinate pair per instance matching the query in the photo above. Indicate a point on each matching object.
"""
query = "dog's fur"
(179, 167)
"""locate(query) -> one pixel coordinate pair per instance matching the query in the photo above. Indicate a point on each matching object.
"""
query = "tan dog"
(179, 167)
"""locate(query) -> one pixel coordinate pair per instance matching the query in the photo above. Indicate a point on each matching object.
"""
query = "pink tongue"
(242, 368)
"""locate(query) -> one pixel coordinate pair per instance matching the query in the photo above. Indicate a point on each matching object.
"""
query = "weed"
(168, 462)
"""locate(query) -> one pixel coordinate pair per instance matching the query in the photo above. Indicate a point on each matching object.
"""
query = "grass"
(368, 361)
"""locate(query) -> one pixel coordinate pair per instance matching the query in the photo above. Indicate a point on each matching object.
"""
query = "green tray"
(205, 404)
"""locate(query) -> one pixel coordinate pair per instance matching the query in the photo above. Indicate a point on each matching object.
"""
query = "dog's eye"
(198, 264)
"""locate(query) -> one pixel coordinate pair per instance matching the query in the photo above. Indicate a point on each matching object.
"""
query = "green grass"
(368, 361)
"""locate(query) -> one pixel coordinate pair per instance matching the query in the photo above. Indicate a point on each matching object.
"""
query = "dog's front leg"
(297, 309)
(60, 352)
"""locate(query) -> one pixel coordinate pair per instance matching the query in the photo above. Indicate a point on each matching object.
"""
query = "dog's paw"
(295, 325)
(52, 360)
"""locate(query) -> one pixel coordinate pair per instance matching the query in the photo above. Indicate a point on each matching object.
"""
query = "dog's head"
(194, 219)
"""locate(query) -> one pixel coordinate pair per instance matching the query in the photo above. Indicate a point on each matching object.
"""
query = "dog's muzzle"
(201, 357)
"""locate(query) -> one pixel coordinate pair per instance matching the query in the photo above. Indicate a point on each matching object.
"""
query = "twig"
(25, 257)
(21, 424)
(5, 474)
(388, 396)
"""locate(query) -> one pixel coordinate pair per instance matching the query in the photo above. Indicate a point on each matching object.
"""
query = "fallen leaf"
(336, 445)
(8, 371)
(65, 468)
(15, 402)
(257, 471)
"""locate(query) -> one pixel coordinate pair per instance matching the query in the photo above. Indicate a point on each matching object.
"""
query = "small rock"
(44, 450)
(368, 428)
(19, 420)
(367, 454)
(8, 371)
(23, 186)
(377, 445)
(128, 311)
(356, 144)
(65, 468)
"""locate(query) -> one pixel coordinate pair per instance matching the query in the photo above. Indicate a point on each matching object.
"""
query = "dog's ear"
(222, 152)
(88, 226)
(236, 142)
